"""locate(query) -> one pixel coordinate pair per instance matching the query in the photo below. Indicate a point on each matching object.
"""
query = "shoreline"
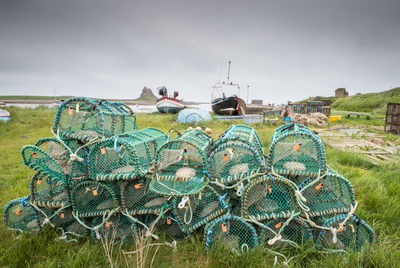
(127, 102)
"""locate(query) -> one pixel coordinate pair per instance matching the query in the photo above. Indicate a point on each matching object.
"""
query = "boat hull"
(169, 105)
(229, 106)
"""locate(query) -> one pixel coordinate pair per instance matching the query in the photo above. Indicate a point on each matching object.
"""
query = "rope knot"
(73, 157)
(273, 240)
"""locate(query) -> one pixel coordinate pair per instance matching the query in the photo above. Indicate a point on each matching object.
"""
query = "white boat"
(168, 104)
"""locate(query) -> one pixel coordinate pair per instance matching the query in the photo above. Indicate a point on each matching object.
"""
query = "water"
(135, 108)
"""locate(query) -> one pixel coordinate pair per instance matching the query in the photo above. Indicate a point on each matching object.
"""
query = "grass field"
(371, 102)
(377, 190)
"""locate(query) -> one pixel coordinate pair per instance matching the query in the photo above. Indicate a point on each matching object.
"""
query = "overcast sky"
(285, 50)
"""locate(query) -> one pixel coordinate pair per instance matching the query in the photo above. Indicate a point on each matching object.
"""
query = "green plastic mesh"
(243, 133)
(87, 119)
(167, 224)
(196, 210)
(20, 215)
(181, 164)
(354, 235)
(93, 198)
(51, 157)
(64, 220)
(117, 229)
(296, 151)
(231, 232)
(154, 138)
(331, 194)
(136, 198)
(237, 154)
(266, 197)
(48, 192)
(297, 231)
(125, 156)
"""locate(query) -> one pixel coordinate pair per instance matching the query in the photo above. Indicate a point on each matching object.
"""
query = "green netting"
(48, 192)
(116, 159)
(236, 155)
(288, 128)
(296, 151)
(167, 224)
(93, 198)
(20, 215)
(330, 194)
(231, 232)
(125, 156)
(65, 221)
(136, 198)
(87, 119)
(354, 234)
(278, 234)
(230, 162)
(196, 210)
(154, 138)
(52, 157)
(244, 134)
(117, 229)
(181, 164)
(267, 197)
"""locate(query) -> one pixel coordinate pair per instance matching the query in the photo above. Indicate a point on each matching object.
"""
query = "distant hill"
(370, 102)
(146, 95)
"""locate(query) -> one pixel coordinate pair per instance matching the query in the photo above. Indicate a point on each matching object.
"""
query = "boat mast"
(229, 70)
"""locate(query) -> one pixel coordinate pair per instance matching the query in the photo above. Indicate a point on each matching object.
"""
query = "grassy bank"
(377, 190)
(371, 102)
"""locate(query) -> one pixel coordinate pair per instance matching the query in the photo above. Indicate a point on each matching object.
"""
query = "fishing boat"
(4, 115)
(168, 104)
(225, 98)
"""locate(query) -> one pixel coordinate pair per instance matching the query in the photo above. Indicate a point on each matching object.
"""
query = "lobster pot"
(296, 231)
(237, 154)
(196, 210)
(231, 232)
(87, 119)
(117, 229)
(64, 220)
(167, 224)
(266, 197)
(136, 198)
(93, 198)
(181, 164)
(119, 159)
(20, 215)
(232, 161)
(48, 192)
(153, 137)
(354, 235)
(52, 157)
(328, 195)
(288, 128)
(243, 133)
(296, 152)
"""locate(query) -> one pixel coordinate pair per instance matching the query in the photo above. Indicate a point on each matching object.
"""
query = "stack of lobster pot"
(235, 161)
(325, 200)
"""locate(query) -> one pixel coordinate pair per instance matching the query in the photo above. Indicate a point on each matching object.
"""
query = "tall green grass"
(377, 191)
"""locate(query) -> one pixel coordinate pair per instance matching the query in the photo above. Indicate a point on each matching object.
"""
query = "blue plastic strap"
(23, 200)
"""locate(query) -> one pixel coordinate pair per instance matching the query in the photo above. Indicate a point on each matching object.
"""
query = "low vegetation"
(371, 102)
(377, 190)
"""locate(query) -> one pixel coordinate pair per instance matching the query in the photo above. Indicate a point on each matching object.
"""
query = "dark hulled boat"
(225, 98)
